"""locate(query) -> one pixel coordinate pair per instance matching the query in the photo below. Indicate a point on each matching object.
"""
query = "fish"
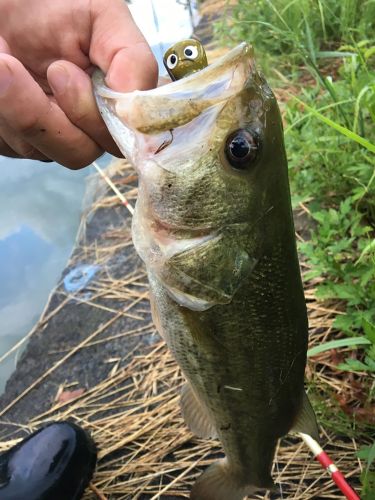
(185, 58)
(213, 224)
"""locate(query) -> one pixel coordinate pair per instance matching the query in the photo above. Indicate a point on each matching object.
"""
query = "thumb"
(119, 48)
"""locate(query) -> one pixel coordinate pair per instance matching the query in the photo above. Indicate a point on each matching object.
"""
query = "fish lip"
(159, 225)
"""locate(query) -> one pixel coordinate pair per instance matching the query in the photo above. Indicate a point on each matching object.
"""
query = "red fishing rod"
(330, 467)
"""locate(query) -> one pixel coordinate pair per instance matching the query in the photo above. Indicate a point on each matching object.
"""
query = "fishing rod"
(337, 477)
(319, 454)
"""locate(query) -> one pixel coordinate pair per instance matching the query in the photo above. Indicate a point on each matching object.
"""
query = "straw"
(113, 187)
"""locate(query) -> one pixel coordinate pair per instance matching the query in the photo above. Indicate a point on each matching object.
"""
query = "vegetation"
(324, 53)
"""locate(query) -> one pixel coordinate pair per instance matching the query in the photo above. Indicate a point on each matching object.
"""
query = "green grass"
(332, 170)
(299, 28)
(323, 52)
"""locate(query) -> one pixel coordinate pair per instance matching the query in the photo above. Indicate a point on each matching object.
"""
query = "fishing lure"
(185, 58)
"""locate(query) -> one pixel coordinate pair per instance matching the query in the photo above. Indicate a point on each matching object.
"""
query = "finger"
(39, 121)
(73, 92)
(4, 47)
(11, 145)
(119, 48)
(6, 150)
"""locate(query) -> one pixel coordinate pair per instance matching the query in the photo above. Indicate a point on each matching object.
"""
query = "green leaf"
(354, 365)
(369, 52)
(334, 344)
(370, 362)
(367, 453)
(368, 248)
(343, 322)
(343, 130)
(369, 329)
(322, 54)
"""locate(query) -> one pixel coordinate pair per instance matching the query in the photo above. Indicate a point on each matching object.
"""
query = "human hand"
(48, 50)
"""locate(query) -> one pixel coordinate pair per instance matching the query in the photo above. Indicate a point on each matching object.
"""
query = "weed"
(367, 454)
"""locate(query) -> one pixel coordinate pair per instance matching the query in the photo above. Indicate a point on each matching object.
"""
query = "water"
(41, 204)
(40, 207)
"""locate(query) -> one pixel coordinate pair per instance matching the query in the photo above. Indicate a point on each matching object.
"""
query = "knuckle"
(25, 150)
(33, 123)
(29, 126)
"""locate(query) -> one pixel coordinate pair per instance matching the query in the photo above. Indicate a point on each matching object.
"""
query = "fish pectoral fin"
(196, 415)
(212, 271)
(306, 419)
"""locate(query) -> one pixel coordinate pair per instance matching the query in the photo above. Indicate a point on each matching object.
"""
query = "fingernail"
(58, 79)
(6, 78)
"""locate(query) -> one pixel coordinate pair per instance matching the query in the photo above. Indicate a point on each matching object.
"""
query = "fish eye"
(241, 149)
(191, 52)
(172, 61)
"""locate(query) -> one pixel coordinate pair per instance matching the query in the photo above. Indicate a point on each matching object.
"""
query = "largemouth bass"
(213, 224)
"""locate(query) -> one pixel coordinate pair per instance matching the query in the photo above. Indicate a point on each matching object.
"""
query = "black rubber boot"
(56, 462)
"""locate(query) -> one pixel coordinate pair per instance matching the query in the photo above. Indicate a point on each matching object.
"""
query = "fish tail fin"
(220, 482)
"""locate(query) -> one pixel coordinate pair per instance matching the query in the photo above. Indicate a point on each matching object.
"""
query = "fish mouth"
(161, 227)
(131, 115)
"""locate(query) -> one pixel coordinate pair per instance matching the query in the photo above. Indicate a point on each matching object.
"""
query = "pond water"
(41, 204)
(40, 207)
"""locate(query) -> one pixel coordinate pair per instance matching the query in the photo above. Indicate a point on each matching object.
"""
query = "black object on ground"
(56, 462)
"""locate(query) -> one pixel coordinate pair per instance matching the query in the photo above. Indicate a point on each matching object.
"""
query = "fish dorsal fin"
(306, 419)
(196, 415)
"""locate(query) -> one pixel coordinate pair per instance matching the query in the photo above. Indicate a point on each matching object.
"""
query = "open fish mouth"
(141, 121)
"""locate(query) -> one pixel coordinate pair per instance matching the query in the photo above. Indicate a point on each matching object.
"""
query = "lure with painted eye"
(185, 58)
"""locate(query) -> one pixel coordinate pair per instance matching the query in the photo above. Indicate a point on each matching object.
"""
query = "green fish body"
(214, 226)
